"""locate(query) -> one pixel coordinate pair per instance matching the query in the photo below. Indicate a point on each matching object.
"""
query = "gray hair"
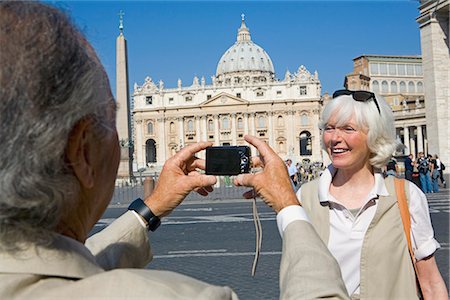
(379, 125)
(47, 75)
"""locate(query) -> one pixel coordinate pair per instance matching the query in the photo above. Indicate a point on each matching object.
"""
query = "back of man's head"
(46, 77)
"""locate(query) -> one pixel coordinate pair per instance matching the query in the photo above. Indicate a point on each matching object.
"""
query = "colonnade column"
(252, 131)
(161, 158)
(245, 123)
(233, 129)
(205, 128)
(140, 145)
(420, 139)
(406, 139)
(216, 131)
(271, 133)
(197, 129)
(290, 134)
(181, 131)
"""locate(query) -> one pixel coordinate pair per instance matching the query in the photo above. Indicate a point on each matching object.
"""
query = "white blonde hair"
(379, 125)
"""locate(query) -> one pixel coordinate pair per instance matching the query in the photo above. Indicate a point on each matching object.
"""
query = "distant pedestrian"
(391, 167)
(423, 165)
(409, 167)
(292, 170)
(441, 168)
(434, 175)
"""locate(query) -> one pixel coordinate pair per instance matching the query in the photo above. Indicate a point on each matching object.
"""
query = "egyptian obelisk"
(123, 106)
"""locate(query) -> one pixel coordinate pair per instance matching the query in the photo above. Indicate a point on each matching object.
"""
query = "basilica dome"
(245, 58)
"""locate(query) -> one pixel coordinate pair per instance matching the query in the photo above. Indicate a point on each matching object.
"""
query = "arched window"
(281, 147)
(420, 87)
(402, 87)
(280, 121)
(172, 127)
(210, 125)
(190, 125)
(375, 86)
(150, 128)
(305, 143)
(150, 151)
(225, 123)
(240, 123)
(411, 87)
(394, 88)
(384, 87)
(261, 122)
(304, 120)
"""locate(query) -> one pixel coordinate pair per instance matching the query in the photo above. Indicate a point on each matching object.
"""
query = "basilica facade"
(244, 97)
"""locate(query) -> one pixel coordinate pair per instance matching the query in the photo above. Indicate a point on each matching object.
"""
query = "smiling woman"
(359, 136)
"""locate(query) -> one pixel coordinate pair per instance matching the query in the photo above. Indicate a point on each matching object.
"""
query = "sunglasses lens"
(341, 93)
(362, 96)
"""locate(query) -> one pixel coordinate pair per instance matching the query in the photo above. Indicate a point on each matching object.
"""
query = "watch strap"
(144, 211)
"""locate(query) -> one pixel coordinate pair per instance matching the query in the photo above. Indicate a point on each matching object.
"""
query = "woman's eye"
(329, 129)
(349, 129)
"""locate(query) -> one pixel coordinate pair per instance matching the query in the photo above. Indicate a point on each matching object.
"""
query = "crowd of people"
(342, 234)
(425, 172)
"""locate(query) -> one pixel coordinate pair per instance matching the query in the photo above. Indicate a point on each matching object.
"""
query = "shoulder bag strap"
(406, 220)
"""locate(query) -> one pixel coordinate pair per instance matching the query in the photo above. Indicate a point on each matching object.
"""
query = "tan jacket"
(72, 270)
(386, 268)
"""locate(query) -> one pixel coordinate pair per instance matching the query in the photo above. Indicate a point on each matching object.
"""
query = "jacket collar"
(65, 257)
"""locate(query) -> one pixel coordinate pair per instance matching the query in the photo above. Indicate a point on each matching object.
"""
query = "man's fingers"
(244, 179)
(200, 181)
(189, 151)
(262, 147)
(197, 163)
(257, 162)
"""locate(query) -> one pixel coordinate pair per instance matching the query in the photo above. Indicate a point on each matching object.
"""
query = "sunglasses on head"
(361, 96)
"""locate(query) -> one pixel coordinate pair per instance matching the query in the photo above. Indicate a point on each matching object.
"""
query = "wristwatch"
(144, 211)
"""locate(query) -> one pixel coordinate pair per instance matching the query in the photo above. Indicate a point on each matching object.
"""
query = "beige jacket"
(386, 268)
(71, 270)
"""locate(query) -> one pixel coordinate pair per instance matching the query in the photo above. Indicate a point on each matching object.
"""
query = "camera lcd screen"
(227, 160)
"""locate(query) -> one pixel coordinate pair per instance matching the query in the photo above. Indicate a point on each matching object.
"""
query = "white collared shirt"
(347, 231)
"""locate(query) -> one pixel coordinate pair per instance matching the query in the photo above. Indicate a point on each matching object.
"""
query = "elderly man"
(58, 165)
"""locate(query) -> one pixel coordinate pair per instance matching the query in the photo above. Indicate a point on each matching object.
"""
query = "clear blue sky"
(168, 40)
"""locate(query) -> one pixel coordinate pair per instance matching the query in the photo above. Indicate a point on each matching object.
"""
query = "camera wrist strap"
(258, 230)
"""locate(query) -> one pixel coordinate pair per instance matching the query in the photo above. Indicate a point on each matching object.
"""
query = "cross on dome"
(243, 32)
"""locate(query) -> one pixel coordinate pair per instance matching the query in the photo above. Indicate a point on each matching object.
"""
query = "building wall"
(399, 79)
(278, 111)
(434, 33)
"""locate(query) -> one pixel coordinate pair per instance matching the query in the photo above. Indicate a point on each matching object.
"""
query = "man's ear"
(79, 152)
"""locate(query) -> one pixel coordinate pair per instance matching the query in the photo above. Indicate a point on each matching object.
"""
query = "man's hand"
(272, 183)
(178, 178)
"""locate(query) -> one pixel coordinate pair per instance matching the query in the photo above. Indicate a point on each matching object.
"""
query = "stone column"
(420, 139)
(245, 123)
(270, 130)
(205, 128)
(197, 128)
(318, 154)
(412, 143)
(181, 131)
(161, 156)
(290, 134)
(406, 139)
(140, 145)
(233, 129)
(216, 131)
(252, 131)
(252, 124)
